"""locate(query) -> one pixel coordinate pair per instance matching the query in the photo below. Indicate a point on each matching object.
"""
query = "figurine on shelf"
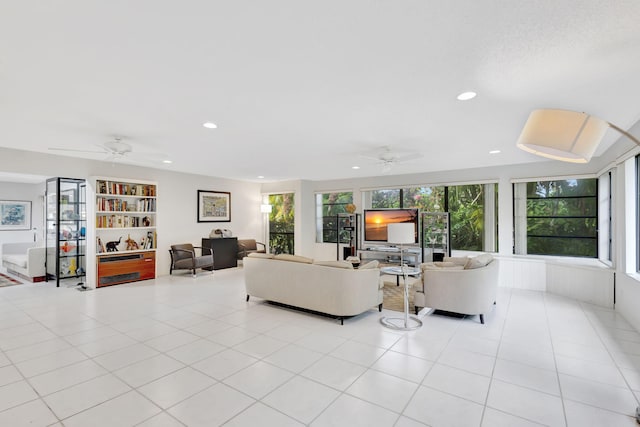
(113, 245)
(131, 244)
(100, 246)
(73, 267)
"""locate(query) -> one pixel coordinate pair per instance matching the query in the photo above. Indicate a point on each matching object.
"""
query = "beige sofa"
(459, 285)
(331, 287)
(25, 260)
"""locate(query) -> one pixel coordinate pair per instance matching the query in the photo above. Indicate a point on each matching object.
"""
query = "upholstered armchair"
(185, 257)
(249, 246)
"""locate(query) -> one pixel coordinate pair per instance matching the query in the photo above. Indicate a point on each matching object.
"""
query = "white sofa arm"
(35, 262)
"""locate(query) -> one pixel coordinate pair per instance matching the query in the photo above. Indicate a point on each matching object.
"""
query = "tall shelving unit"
(347, 233)
(436, 236)
(126, 235)
(66, 226)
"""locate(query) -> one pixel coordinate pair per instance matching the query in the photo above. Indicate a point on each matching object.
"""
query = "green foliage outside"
(465, 203)
(466, 207)
(562, 217)
(282, 223)
(332, 205)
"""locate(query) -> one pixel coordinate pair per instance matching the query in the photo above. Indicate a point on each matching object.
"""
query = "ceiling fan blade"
(75, 150)
(407, 157)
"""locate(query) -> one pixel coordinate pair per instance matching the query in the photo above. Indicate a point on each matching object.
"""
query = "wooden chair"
(184, 257)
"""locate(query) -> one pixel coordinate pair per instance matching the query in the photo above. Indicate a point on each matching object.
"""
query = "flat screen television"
(377, 220)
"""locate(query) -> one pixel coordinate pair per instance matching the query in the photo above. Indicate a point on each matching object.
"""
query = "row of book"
(121, 221)
(126, 189)
(119, 205)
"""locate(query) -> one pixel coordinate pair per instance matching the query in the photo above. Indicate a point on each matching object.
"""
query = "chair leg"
(342, 320)
(482, 319)
(194, 273)
(417, 310)
(247, 297)
(380, 307)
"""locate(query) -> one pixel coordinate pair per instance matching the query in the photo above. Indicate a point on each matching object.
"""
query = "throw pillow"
(478, 262)
(336, 264)
(370, 264)
(294, 258)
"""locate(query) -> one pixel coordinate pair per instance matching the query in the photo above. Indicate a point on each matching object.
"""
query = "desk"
(225, 252)
(405, 323)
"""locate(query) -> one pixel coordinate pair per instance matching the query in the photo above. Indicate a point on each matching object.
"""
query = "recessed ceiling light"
(465, 96)
(355, 167)
(260, 177)
(210, 125)
(494, 151)
(167, 161)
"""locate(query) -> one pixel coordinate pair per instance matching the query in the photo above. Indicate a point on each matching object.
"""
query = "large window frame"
(543, 195)
(328, 205)
(437, 198)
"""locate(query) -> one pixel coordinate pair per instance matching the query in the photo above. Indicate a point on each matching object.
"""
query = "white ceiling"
(300, 89)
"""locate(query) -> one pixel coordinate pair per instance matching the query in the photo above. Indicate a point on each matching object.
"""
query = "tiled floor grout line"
(495, 362)
(606, 346)
(555, 360)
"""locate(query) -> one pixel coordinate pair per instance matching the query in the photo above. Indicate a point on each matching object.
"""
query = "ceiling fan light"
(563, 135)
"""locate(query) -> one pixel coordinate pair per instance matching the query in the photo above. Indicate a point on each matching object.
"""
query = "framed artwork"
(15, 215)
(214, 206)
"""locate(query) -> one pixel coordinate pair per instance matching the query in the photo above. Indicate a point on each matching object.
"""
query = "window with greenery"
(381, 199)
(328, 206)
(466, 206)
(473, 214)
(281, 223)
(560, 217)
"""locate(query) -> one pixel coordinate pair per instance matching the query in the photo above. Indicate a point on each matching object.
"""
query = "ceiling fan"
(116, 150)
(388, 158)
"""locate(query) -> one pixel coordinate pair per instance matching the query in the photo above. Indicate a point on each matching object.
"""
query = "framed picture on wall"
(15, 215)
(214, 206)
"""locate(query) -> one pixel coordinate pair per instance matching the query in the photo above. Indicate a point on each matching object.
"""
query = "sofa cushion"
(459, 260)
(336, 264)
(16, 259)
(370, 264)
(294, 258)
(478, 261)
(445, 265)
(260, 255)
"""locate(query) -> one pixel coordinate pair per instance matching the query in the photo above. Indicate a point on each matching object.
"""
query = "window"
(328, 205)
(558, 217)
(466, 204)
(473, 210)
(282, 223)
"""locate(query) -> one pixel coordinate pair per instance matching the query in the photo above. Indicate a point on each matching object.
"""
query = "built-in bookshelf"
(126, 235)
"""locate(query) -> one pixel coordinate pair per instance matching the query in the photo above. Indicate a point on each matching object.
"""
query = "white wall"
(29, 192)
(177, 196)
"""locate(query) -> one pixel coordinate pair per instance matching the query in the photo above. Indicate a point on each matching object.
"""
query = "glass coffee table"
(405, 323)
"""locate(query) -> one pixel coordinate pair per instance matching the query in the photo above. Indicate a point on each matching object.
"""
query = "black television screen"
(377, 220)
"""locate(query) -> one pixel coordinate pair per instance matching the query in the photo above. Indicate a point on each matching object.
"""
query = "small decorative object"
(100, 246)
(73, 266)
(146, 221)
(15, 215)
(131, 244)
(351, 208)
(113, 245)
(214, 206)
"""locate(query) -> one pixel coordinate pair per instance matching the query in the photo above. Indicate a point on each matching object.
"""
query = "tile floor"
(183, 351)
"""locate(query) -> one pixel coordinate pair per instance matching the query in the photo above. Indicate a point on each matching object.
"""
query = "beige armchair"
(459, 285)
(250, 246)
(184, 257)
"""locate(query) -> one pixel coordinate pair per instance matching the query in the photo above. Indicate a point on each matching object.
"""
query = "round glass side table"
(405, 323)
